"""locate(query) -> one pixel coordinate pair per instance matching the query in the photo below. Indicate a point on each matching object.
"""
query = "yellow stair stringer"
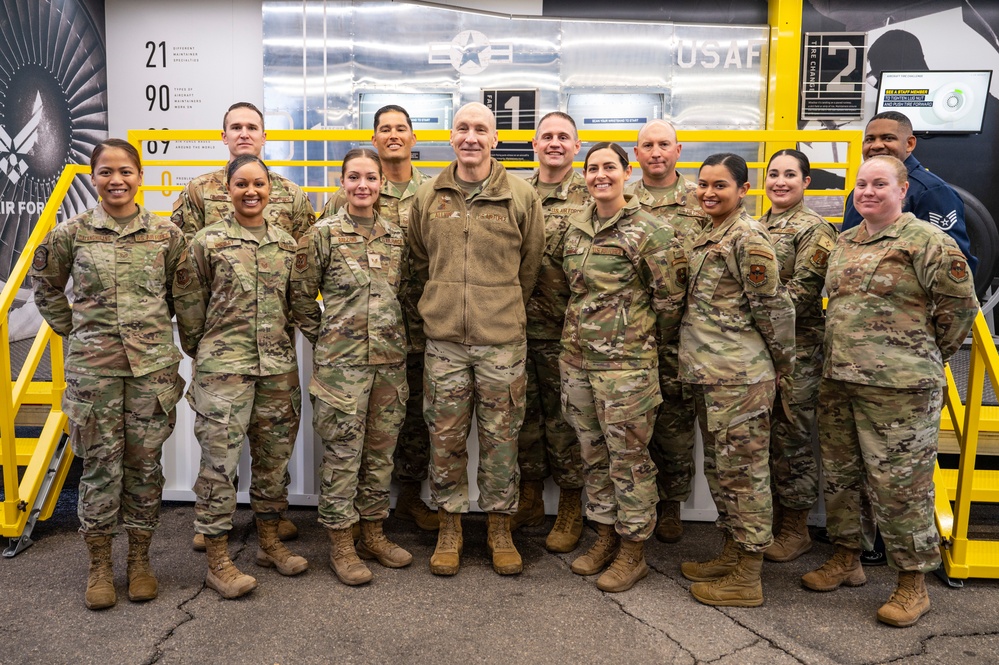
(956, 489)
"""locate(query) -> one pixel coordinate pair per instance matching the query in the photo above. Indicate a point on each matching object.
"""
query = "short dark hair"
(622, 155)
(241, 161)
(241, 105)
(115, 143)
(735, 165)
(392, 107)
(801, 158)
(901, 118)
(559, 114)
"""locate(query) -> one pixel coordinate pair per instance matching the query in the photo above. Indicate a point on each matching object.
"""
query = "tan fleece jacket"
(477, 258)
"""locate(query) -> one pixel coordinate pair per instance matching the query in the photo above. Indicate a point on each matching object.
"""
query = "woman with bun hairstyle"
(122, 380)
(736, 340)
(626, 273)
(802, 240)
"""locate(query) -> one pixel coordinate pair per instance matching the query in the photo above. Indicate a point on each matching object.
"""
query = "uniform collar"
(780, 220)
(675, 195)
(586, 221)
(561, 192)
(712, 234)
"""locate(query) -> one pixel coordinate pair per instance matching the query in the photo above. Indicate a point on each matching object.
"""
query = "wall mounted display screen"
(427, 110)
(950, 102)
(614, 110)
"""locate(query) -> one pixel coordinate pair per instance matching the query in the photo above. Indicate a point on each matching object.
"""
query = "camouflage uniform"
(205, 200)
(547, 443)
(737, 335)
(802, 240)
(233, 315)
(901, 302)
(672, 445)
(122, 382)
(476, 257)
(412, 453)
(627, 276)
(358, 385)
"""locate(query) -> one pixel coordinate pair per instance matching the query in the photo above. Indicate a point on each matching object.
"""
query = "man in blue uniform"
(929, 198)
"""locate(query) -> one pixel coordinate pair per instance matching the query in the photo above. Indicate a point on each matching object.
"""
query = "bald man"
(666, 194)
(476, 237)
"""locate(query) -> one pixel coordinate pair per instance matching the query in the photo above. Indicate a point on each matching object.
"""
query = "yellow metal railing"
(767, 139)
(21, 496)
(964, 557)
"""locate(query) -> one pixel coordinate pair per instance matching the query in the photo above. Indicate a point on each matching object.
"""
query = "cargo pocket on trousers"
(926, 540)
(169, 397)
(209, 405)
(85, 427)
(330, 408)
(630, 406)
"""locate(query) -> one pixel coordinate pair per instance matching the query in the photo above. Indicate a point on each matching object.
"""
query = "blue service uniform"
(931, 199)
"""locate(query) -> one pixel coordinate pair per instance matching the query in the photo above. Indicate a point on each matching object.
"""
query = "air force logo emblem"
(12, 149)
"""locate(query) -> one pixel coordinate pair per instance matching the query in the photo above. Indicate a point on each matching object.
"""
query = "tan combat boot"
(564, 536)
(100, 579)
(374, 545)
(447, 555)
(286, 531)
(908, 602)
(272, 553)
(344, 561)
(531, 507)
(626, 569)
(223, 575)
(601, 552)
(740, 588)
(793, 539)
(409, 506)
(842, 568)
(506, 558)
(713, 569)
(142, 584)
(669, 529)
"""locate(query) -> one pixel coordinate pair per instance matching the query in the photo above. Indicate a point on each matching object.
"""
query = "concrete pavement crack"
(923, 643)
(624, 610)
(759, 637)
(158, 651)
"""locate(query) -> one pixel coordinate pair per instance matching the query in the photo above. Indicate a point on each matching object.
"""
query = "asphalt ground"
(545, 615)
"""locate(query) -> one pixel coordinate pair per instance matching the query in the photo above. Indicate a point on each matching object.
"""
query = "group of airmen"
(587, 323)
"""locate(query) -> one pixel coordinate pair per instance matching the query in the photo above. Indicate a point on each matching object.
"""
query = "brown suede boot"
(713, 569)
(374, 545)
(564, 536)
(409, 506)
(601, 552)
(842, 568)
(142, 584)
(626, 569)
(447, 555)
(272, 553)
(670, 527)
(344, 561)
(908, 602)
(506, 558)
(286, 531)
(531, 507)
(100, 580)
(223, 575)
(740, 588)
(793, 539)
